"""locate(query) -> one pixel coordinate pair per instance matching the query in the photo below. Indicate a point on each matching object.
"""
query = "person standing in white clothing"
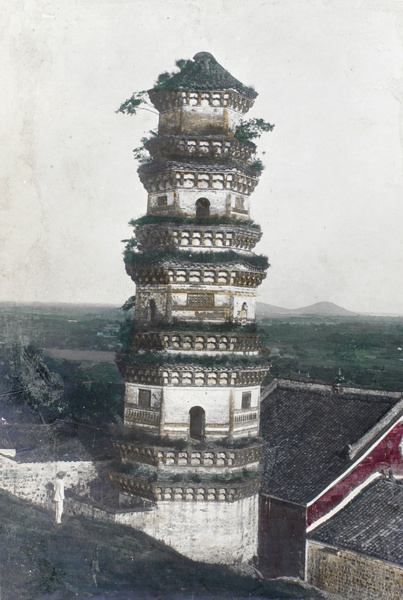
(59, 495)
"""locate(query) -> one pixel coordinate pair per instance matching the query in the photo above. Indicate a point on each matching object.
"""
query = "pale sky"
(329, 76)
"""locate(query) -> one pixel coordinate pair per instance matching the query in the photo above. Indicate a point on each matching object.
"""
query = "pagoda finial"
(201, 55)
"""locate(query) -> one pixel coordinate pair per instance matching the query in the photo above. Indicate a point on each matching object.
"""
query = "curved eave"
(186, 264)
(213, 166)
(257, 233)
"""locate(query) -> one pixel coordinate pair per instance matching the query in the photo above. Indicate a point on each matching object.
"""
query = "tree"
(31, 379)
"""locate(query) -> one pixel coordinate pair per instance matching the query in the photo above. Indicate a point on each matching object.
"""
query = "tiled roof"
(309, 431)
(205, 73)
(372, 523)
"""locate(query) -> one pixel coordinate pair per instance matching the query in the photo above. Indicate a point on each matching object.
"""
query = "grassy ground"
(65, 326)
(90, 559)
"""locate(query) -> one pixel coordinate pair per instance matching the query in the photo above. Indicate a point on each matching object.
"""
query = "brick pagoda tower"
(190, 445)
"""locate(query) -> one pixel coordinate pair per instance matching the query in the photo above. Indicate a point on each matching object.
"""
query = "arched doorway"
(202, 208)
(197, 422)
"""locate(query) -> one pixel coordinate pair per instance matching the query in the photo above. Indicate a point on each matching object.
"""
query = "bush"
(255, 260)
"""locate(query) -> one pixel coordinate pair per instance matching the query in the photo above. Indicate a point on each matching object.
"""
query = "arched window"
(202, 208)
(152, 309)
(197, 418)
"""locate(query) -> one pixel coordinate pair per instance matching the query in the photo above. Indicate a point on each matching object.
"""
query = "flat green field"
(362, 351)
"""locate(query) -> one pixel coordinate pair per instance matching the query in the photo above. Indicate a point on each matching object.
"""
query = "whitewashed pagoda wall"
(212, 532)
(201, 119)
(172, 302)
(223, 410)
(184, 201)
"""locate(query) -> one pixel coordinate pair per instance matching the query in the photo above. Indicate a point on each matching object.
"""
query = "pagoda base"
(212, 532)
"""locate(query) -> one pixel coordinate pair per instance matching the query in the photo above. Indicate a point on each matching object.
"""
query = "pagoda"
(193, 367)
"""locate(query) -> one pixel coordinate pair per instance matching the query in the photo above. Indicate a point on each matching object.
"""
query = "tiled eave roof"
(310, 430)
(371, 524)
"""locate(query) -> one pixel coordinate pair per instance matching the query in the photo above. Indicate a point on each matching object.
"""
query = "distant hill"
(319, 308)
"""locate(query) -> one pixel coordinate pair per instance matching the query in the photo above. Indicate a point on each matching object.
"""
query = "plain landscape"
(78, 342)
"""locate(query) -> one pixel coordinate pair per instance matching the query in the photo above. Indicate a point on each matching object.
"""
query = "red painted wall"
(386, 454)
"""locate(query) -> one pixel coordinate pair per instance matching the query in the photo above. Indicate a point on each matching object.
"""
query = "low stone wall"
(352, 575)
(33, 481)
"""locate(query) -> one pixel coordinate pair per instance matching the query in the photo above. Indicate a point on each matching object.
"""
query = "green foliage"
(151, 475)
(129, 304)
(132, 104)
(125, 333)
(251, 129)
(30, 378)
(141, 153)
(151, 219)
(229, 256)
(257, 165)
(166, 75)
(93, 392)
(220, 361)
(138, 100)
(142, 437)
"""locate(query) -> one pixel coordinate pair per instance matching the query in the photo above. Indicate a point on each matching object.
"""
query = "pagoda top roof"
(204, 73)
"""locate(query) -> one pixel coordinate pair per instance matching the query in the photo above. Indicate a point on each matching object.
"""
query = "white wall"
(211, 532)
(32, 481)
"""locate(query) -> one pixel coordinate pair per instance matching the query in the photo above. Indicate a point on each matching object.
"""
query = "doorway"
(197, 422)
(202, 208)
(152, 309)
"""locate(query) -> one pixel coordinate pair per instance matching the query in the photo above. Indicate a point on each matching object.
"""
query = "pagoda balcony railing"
(174, 175)
(217, 457)
(196, 341)
(195, 274)
(192, 375)
(165, 100)
(216, 147)
(142, 416)
(191, 236)
(246, 417)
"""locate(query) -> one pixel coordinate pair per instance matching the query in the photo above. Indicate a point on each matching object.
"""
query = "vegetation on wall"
(140, 153)
(222, 361)
(150, 474)
(258, 261)
(140, 100)
(252, 129)
(156, 219)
